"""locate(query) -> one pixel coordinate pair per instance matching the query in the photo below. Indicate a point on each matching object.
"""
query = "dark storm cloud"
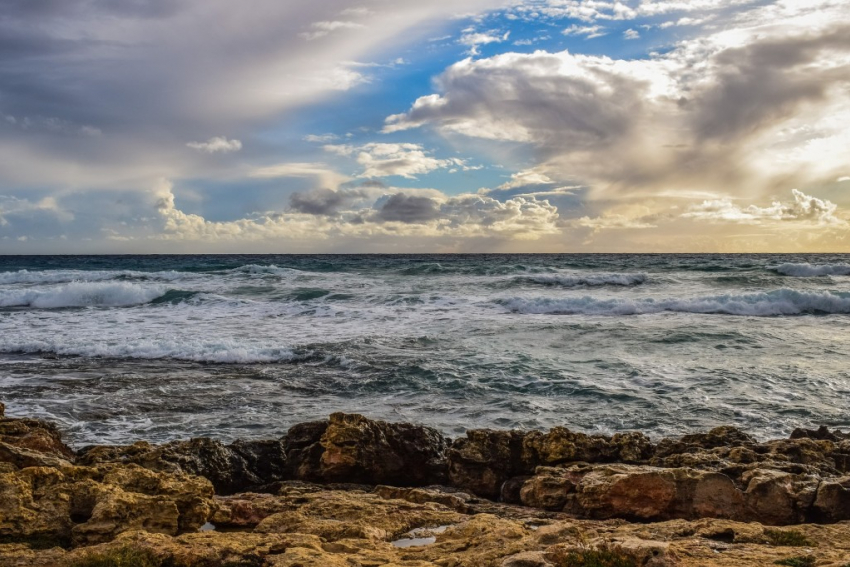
(40, 9)
(323, 201)
(765, 82)
(409, 209)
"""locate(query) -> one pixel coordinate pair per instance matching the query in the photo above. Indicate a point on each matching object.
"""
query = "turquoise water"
(162, 347)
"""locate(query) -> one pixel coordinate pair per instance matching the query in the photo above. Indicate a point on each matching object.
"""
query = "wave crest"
(83, 294)
(806, 270)
(767, 304)
(579, 280)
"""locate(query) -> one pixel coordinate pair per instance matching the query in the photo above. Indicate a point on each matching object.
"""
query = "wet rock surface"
(353, 491)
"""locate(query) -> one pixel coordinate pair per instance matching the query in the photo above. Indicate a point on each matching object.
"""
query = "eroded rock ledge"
(340, 491)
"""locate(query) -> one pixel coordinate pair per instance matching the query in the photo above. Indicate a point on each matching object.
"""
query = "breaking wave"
(578, 280)
(766, 304)
(83, 294)
(265, 270)
(68, 276)
(813, 270)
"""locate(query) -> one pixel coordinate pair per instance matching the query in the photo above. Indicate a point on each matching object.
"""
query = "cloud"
(322, 173)
(217, 144)
(409, 209)
(473, 39)
(397, 215)
(149, 76)
(405, 160)
(803, 208)
(756, 106)
(631, 34)
(323, 201)
(589, 31)
(321, 29)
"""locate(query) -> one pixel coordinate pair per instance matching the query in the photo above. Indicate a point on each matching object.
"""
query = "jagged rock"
(455, 500)
(353, 514)
(560, 445)
(549, 489)
(87, 505)
(725, 436)
(21, 457)
(778, 498)
(526, 559)
(352, 448)
(485, 459)
(832, 503)
(238, 467)
(32, 442)
(821, 434)
(652, 494)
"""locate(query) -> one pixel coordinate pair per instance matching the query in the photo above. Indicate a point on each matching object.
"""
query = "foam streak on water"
(120, 348)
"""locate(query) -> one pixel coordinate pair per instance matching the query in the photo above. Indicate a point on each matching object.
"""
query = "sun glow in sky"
(410, 126)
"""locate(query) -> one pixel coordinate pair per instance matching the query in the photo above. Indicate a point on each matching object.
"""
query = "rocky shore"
(350, 491)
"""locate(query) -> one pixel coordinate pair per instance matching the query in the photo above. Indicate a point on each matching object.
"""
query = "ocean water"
(120, 348)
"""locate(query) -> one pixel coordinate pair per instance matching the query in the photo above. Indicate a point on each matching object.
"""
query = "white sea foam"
(270, 270)
(806, 270)
(577, 280)
(82, 294)
(67, 276)
(765, 304)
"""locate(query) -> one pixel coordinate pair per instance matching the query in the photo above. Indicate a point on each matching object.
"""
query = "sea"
(122, 348)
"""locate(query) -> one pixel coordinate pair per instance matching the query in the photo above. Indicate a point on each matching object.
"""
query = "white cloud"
(321, 29)
(405, 160)
(473, 39)
(758, 105)
(396, 215)
(631, 34)
(217, 144)
(320, 138)
(589, 31)
(324, 175)
(803, 208)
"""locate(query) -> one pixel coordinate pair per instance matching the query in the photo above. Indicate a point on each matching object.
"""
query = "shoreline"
(326, 481)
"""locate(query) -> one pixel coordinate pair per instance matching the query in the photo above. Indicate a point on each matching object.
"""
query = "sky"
(403, 126)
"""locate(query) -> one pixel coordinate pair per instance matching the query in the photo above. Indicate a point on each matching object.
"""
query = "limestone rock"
(483, 460)
(351, 448)
(84, 505)
(832, 502)
(779, 498)
(22, 439)
(234, 468)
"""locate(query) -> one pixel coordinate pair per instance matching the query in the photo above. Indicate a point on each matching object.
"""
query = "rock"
(353, 515)
(455, 500)
(549, 490)
(635, 492)
(560, 446)
(779, 498)
(351, 448)
(832, 503)
(21, 457)
(725, 436)
(821, 434)
(483, 460)
(84, 505)
(21, 439)
(239, 467)
(526, 559)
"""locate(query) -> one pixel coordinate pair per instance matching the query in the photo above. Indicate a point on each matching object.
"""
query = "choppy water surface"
(118, 348)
